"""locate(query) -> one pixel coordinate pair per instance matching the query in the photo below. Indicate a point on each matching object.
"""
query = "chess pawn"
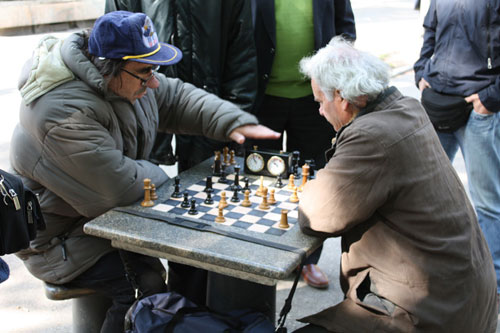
(147, 202)
(225, 152)
(208, 199)
(220, 217)
(232, 161)
(284, 219)
(264, 205)
(223, 201)
(291, 182)
(271, 199)
(261, 187)
(246, 200)
(185, 202)
(294, 197)
(154, 196)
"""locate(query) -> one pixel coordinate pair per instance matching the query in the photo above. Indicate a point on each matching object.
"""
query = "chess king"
(414, 258)
(92, 106)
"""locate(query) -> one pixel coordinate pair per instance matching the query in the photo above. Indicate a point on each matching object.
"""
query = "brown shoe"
(314, 277)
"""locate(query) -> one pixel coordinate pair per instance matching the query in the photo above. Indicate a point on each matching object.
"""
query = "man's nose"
(153, 83)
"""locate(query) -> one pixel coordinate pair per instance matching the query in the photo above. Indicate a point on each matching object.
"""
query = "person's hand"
(422, 84)
(476, 104)
(253, 132)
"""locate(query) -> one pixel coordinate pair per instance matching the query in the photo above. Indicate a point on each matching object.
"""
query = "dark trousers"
(306, 130)
(107, 277)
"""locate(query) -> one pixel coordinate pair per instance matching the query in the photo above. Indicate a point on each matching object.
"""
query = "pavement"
(390, 29)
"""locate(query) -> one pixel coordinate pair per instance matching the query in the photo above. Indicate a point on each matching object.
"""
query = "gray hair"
(339, 66)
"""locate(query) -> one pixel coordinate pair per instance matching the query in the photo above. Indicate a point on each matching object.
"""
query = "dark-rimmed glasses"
(144, 82)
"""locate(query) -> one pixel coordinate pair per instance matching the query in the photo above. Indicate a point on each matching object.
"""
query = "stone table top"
(214, 252)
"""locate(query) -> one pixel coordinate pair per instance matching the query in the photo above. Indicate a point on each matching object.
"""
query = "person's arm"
(344, 19)
(349, 190)
(427, 50)
(239, 80)
(488, 99)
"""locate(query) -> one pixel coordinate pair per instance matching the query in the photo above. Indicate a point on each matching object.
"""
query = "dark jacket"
(331, 18)
(215, 39)
(410, 235)
(461, 50)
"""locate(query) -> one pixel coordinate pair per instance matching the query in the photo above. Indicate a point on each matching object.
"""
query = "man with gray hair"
(413, 256)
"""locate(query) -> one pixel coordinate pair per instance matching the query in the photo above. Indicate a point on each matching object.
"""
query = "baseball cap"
(130, 36)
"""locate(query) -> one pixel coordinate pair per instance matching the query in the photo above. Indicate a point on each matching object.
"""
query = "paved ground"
(390, 29)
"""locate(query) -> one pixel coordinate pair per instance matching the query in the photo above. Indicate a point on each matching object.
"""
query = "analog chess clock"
(269, 163)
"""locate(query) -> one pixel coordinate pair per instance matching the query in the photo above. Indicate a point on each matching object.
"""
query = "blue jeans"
(479, 141)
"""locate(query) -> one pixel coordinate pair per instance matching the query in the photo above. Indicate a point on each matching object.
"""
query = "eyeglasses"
(144, 82)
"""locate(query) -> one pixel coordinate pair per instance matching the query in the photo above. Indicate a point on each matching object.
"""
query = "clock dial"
(255, 162)
(276, 165)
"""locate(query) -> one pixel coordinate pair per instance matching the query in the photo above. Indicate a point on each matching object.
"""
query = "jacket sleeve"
(349, 190)
(430, 24)
(490, 96)
(344, 19)
(239, 82)
(185, 109)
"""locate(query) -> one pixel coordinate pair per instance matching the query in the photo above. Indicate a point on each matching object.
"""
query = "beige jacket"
(413, 256)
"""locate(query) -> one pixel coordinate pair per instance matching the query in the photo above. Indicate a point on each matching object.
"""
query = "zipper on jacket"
(11, 194)
(29, 211)
(490, 66)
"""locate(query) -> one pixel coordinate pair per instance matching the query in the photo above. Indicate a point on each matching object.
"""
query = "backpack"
(20, 214)
(170, 312)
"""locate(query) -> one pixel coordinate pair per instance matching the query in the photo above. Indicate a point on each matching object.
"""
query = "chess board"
(250, 218)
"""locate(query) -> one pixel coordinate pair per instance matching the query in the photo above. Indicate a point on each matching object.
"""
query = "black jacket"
(461, 50)
(331, 18)
(215, 39)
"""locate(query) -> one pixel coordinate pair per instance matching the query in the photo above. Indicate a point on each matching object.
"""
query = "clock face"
(276, 165)
(255, 162)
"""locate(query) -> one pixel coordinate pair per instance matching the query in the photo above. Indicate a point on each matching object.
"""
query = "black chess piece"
(247, 186)
(217, 165)
(235, 197)
(192, 210)
(209, 199)
(177, 188)
(312, 168)
(236, 185)
(279, 182)
(208, 185)
(295, 163)
(185, 202)
(223, 178)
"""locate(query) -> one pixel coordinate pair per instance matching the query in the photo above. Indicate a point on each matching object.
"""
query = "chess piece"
(261, 187)
(284, 219)
(147, 202)
(223, 201)
(295, 163)
(294, 197)
(185, 202)
(154, 196)
(208, 185)
(305, 176)
(220, 217)
(247, 186)
(235, 198)
(223, 179)
(232, 161)
(177, 188)
(246, 200)
(236, 185)
(279, 182)
(192, 210)
(271, 199)
(312, 167)
(225, 152)
(209, 200)
(264, 204)
(217, 164)
(291, 182)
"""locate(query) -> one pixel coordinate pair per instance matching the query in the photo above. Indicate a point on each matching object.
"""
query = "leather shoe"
(314, 277)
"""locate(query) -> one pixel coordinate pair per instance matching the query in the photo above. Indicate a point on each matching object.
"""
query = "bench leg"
(89, 313)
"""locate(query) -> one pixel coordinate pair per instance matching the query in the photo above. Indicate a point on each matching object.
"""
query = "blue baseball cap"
(130, 36)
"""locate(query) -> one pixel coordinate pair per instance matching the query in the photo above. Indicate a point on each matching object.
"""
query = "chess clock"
(269, 163)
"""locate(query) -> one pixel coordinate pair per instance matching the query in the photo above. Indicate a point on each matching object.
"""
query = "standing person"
(459, 57)
(216, 39)
(414, 258)
(92, 105)
(285, 31)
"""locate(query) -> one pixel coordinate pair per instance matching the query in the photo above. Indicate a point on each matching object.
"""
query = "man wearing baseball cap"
(92, 106)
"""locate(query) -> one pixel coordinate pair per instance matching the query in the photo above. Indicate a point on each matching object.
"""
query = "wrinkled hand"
(422, 84)
(239, 134)
(476, 104)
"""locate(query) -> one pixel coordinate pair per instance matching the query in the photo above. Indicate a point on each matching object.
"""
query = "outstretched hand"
(239, 134)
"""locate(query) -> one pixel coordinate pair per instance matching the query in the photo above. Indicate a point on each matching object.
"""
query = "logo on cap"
(149, 36)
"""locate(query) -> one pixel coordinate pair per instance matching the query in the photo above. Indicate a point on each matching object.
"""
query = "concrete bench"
(88, 308)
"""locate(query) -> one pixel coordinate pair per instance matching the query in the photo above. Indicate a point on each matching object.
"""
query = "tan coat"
(410, 237)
